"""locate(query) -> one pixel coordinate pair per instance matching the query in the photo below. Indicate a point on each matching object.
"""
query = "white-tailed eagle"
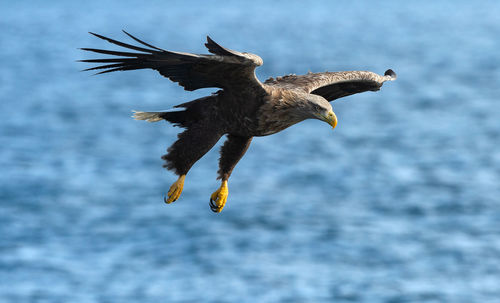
(243, 108)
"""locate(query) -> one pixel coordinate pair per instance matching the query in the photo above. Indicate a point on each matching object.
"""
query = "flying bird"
(243, 108)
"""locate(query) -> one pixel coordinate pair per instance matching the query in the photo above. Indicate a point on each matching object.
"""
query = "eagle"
(241, 109)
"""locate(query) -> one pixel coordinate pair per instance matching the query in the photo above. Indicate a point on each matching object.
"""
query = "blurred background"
(399, 204)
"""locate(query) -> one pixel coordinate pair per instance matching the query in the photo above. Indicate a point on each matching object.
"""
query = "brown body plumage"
(242, 109)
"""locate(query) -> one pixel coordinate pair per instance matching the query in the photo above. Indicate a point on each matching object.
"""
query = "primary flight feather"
(243, 108)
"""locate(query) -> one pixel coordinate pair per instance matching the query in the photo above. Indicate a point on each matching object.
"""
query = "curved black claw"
(213, 207)
(166, 201)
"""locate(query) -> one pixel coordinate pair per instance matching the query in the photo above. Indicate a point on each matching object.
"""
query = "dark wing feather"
(226, 69)
(141, 49)
(215, 48)
(142, 42)
(334, 85)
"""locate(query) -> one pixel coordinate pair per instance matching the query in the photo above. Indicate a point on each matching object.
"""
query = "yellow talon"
(219, 198)
(175, 190)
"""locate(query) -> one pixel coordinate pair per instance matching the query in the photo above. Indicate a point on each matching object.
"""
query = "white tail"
(148, 116)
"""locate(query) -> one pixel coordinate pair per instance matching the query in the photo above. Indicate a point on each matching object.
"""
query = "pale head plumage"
(308, 106)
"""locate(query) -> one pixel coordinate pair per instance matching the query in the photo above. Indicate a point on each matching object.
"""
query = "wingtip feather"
(390, 74)
(142, 42)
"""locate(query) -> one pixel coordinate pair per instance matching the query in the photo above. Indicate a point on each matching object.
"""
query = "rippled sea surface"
(401, 203)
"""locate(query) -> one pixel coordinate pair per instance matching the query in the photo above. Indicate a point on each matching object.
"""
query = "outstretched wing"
(225, 69)
(334, 85)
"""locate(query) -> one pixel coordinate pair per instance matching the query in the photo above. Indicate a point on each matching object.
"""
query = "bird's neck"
(281, 110)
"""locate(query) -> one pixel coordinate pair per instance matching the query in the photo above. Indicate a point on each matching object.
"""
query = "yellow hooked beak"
(330, 118)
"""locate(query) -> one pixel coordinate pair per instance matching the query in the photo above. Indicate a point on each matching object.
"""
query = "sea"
(400, 203)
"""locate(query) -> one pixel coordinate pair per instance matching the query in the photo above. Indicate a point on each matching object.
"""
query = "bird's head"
(317, 107)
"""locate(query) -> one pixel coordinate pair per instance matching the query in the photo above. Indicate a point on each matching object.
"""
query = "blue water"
(401, 203)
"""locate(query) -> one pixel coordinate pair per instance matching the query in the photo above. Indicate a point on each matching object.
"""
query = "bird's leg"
(175, 190)
(191, 145)
(219, 197)
(231, 152)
